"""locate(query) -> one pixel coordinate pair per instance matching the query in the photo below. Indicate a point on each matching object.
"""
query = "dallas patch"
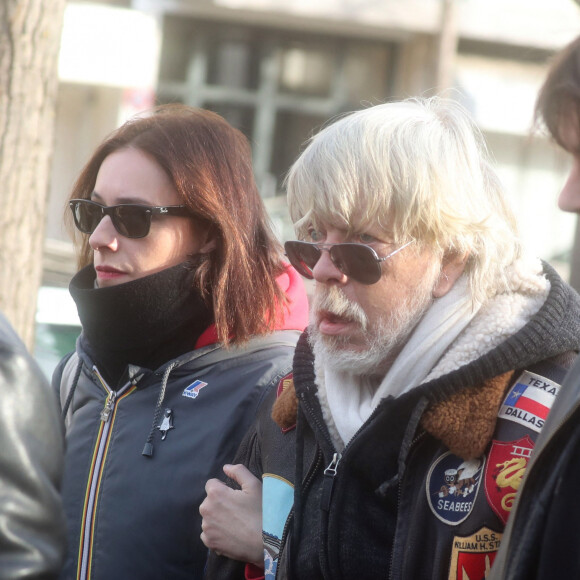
(529, 401)
(472, 556)
(192, 391)
(452, 486)
(506, 465)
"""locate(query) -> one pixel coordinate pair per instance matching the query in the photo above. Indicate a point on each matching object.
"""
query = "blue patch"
(193, 390)
(277, 501)
(452, 486)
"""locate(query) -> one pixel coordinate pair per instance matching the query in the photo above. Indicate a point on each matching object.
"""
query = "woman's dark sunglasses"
(357, 261)
(130, 220)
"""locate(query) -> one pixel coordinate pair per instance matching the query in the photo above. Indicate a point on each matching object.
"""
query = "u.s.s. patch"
(506, 465)
(472, 556)
(529, 400)
(452, 486)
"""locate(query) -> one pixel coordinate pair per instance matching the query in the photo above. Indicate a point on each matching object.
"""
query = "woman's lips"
(107, 272)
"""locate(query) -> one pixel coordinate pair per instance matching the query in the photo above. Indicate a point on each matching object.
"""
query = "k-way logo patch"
(452, 486)
(529, 401)
(192, 391)
(472, 556)
(506, 465)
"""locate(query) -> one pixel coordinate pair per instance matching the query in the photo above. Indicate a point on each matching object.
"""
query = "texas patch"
(529, 400)
(452, 486)
(506, 465)
(472, 556)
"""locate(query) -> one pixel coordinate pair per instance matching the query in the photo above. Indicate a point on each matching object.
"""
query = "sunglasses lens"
(303, 256)
(357, 261)
(131, 221)
(86, 215)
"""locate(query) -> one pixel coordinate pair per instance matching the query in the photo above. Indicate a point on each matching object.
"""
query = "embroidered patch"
(277, 501)
(506, 464)
(193, 390)
(472, 556)
(452, 486)
(529, 401)
(284, 384)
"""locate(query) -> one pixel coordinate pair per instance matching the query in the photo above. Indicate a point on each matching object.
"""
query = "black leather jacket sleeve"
(32, 538)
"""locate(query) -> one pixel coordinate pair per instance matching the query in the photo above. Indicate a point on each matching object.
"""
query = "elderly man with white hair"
(435, 349)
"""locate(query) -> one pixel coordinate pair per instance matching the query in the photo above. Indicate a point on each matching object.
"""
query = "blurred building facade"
(279, 70)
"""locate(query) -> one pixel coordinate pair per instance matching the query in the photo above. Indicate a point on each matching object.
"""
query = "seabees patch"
(452, 486)
(529, 400)
(506, 465)
(472, 556)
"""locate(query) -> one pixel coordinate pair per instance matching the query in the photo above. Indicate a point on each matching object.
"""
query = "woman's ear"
(210, 239)
(452, 267)
(208, 246)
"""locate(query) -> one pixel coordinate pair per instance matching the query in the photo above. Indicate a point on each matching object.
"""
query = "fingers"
(214, 485)
(242, 476)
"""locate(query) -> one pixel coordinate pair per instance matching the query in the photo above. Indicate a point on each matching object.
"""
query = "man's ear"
(452, 267)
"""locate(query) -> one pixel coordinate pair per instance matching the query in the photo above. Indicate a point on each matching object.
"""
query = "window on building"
(276, 86)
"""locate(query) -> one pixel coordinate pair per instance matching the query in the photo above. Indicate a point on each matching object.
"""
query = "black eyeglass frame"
(112, 212)
(292, 249)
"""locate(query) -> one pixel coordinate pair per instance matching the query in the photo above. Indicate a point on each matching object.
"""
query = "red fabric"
(296, 312)
(252, 572)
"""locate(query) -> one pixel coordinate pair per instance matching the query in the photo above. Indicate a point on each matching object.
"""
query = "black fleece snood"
(146, 322)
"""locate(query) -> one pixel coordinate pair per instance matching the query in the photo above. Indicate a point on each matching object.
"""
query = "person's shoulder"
(10, 342)
(15, 360)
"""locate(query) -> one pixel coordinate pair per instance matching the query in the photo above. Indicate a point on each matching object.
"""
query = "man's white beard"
(383, 338)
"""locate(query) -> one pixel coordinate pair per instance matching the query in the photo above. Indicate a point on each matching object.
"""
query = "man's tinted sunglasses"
(357, 261)
(130, 220)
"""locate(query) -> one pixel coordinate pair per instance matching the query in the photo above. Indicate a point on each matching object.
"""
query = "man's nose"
(325, 270)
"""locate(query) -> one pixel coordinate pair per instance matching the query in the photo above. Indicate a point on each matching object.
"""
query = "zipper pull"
(109, 404)
(328, 482)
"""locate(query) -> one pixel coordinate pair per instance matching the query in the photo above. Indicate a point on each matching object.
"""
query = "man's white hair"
(422, 163)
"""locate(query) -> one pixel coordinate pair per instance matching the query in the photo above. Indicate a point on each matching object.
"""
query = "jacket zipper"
(319, 424)
(328, 482)
(330, 473)
(399, 494)
(94, 477)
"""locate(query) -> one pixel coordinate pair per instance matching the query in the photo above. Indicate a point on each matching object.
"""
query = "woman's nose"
(104, 236)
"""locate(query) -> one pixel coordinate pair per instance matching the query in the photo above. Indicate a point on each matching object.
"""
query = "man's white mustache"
(333, 301)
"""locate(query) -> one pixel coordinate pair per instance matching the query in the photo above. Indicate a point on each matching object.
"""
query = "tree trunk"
(29, 42)
(447, 49)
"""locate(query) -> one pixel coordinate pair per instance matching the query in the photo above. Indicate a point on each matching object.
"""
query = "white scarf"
(450, 334)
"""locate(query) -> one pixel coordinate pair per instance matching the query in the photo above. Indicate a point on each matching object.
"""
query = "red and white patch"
(529, 400)
(506, 465)
(285, 383)
(472, 556)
